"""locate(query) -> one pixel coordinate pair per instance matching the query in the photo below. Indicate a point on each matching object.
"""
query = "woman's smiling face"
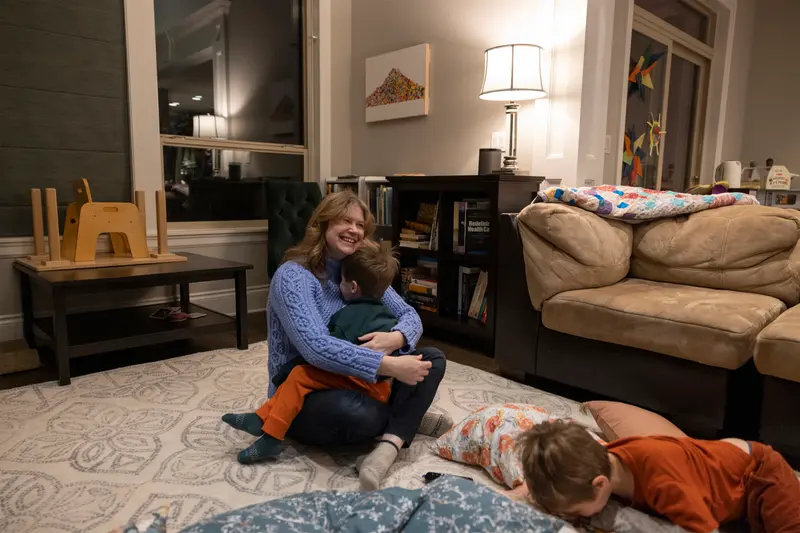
(344, 236)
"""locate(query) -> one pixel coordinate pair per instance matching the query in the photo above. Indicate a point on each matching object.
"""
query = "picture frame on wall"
(398, 84)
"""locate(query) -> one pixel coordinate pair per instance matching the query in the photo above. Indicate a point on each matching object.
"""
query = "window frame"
(147, 143)
(690, 49)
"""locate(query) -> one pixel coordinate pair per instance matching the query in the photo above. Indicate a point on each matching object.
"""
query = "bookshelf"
(373, 190)
(498, 194)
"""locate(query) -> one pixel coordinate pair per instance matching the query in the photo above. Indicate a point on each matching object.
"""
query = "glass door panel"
(645, 111)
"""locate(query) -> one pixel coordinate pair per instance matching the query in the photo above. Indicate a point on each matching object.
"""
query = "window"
(688, 16)
(231, 99)
(667, 87)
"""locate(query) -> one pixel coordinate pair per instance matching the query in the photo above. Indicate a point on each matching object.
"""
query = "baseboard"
(222, 301)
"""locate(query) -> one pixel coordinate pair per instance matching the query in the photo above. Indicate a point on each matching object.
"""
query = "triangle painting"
(398, 84)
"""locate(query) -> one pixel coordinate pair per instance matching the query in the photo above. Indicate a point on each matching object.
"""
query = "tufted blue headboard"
(289, 206)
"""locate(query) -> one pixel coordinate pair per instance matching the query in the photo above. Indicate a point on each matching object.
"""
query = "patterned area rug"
(113, 446)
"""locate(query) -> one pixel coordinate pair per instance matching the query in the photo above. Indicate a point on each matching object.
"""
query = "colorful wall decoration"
(642, 72)
(633, 156)
(656, 133)
(398, 84)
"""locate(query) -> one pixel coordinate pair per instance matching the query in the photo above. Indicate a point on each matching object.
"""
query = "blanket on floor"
(447, 504)
(634, 204)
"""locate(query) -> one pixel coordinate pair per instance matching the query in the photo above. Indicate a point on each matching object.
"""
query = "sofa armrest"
(517, 323)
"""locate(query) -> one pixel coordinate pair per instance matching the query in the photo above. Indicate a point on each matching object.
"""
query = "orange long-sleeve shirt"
(695, 484)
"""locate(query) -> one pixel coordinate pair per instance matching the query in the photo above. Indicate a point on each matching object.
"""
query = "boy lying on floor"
(696, 484)
(366, 274)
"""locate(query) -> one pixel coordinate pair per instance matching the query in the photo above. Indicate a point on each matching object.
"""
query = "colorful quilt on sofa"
(634, 204)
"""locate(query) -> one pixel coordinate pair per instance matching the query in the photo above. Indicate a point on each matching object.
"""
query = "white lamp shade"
(210, 126)
(513, 72)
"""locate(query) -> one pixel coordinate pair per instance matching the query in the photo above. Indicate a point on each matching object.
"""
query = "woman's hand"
(410, 369)
(381, 341)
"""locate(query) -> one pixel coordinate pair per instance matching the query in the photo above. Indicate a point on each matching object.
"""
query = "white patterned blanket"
(634, 204)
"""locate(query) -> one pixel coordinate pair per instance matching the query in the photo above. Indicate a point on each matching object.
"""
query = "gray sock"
(435, 424)
(372, 469)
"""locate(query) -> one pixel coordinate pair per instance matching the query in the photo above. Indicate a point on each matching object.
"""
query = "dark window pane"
(680, 140)
(241, 62)
(207, 185)
(681, 15)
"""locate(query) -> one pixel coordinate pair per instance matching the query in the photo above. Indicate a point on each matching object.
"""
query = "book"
(427, 212)
(431, 284)
(413, 238)
(478, 225)
(430, 263)
(467, 279)
(418, 226)
(422, 298)
(409, 231)
(478, 294)
(435, 229)
(413, 287)
(459, 227)
(421, 245)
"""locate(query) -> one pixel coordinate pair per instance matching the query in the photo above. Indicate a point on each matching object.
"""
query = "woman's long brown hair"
(310, 252)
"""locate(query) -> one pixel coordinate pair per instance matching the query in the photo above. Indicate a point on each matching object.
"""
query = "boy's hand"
(382, 341)
(410, 369)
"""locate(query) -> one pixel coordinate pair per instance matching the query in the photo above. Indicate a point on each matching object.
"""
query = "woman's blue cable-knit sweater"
(300, 306)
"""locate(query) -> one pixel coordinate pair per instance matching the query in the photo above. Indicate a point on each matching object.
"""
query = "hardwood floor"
(257, 323)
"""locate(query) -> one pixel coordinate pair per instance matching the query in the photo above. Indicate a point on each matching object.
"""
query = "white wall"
(341, 87)
(773, 113)
(447, 140)
(735, 122)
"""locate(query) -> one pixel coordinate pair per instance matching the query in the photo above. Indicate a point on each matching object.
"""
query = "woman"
(304, 294)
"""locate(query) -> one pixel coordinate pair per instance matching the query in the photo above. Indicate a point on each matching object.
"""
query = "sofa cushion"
(778, 347)
(713, 327)
(568, 248)
(739, 248)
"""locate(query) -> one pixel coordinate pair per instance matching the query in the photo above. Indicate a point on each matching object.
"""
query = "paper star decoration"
(632, 156)
(641, 75)
(655, 133)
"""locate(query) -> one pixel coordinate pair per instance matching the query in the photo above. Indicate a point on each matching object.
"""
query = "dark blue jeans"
(339, 417)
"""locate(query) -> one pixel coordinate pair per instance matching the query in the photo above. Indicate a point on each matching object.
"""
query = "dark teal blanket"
(448, 504)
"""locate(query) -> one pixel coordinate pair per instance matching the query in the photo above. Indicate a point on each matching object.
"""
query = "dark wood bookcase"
(506, 194)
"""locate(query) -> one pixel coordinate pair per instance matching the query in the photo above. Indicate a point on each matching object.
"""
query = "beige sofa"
(666, 314)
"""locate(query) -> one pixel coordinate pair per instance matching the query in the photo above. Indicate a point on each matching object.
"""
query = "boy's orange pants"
(772, 493)
(279, 412)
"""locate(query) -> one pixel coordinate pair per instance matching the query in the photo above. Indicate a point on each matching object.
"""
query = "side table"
(80, 334)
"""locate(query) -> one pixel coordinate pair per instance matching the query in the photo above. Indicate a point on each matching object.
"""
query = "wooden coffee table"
(80, 334)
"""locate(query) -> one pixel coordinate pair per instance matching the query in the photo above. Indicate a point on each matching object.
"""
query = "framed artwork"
(398, 84)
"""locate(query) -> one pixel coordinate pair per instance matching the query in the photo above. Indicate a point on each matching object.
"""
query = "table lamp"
(211, 127)
(512, 72)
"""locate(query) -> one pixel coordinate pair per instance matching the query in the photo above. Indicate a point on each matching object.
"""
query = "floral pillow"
(156, 523)
(487, 438)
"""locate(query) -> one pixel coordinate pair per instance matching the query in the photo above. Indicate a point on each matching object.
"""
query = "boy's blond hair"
(372, 267)
(560, 460)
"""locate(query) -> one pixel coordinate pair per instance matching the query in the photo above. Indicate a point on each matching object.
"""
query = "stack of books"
(471, 226)
(422, 232)
(420, 284)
